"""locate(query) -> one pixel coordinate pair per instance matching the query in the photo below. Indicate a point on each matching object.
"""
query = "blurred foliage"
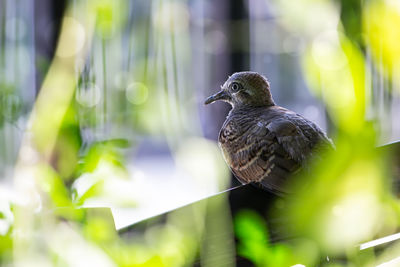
(11, 105)
(252, 232)
(104, 150)
(379, 18)
(66, 150)
(335, 70)
(351, 18)
(6, 223)
(358, 205)
(347, 199)
(110, 16)
(101, 166)
(112, 66)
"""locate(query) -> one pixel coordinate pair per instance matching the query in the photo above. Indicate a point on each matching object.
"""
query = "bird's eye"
(236, 86)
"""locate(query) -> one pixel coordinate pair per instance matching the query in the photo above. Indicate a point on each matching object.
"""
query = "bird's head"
(244, 89)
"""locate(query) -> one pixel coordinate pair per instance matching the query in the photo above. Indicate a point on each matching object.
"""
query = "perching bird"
(261, 141)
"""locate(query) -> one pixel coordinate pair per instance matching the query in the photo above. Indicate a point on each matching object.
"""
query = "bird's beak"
(221, 95)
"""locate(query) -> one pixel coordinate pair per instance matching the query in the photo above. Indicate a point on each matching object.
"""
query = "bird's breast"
(236, 140)
(226, 140)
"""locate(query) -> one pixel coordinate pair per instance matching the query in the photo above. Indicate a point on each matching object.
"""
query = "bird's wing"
(292, 139)
(258, 154)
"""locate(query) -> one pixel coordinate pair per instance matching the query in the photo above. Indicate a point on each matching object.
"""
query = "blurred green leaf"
(104, 150)
(251, 228)
(68, 144)
(51, 183)
(351, 18)
(252, 233)
(99, 226)
(380, 20)
(6, 249)
(94, 190)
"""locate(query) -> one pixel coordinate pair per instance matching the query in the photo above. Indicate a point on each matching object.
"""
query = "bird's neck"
(252, 106)
(248, 109)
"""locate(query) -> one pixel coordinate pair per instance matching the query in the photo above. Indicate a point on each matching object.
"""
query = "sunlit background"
(101, 106)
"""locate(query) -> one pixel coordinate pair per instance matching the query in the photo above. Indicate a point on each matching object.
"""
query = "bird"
(262, 142)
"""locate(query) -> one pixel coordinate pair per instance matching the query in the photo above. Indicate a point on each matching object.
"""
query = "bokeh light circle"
(137, 93)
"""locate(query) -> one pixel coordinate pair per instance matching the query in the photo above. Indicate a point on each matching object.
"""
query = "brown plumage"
(262, 142)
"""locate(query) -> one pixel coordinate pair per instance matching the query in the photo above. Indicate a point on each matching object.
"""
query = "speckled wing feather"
(268, 146)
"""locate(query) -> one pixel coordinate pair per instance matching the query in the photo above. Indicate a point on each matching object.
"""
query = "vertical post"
(239, 42)
(48, 17)
(239, 38)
